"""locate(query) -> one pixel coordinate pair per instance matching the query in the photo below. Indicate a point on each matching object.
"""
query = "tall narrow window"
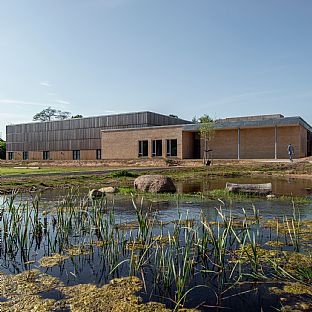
(98, 154)
(25, 155)
(172, 147)
(143, 148)
(11, 155)
(46, 155)
(76, 154)
(157, 148)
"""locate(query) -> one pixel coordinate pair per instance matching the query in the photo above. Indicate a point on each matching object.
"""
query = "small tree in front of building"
(206, 130)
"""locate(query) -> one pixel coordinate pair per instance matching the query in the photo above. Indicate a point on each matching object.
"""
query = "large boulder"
(154, 184)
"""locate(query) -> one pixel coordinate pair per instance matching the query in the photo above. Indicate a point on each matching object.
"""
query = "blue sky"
(94, 57)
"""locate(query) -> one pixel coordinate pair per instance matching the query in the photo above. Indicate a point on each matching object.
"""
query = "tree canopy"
(206, 130)
(50, 113)
(2, 149)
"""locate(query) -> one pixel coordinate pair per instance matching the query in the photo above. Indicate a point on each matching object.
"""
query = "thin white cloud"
(62, 102)
(113, 112)
(18, 102)
(46, 84)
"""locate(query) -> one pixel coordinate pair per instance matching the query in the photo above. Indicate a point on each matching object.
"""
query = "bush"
(2, 149)
(123, 173)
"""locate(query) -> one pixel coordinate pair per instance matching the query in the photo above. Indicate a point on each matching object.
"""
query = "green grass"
(11, 170)
(122, 173)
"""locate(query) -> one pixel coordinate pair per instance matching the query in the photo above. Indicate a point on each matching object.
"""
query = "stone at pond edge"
(108, 189)
(94, 194)
(154, 184)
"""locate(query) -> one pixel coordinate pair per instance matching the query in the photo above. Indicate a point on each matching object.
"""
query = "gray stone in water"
(108, 189)
(154, 184)
(94, 194)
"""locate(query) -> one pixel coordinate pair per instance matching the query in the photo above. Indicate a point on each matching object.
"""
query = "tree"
(173, 116)
(206, 130)
(194, 120)
(50, 114)
(77, 116)
(2, 149)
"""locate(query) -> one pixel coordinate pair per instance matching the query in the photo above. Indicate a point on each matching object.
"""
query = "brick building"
(151, 135)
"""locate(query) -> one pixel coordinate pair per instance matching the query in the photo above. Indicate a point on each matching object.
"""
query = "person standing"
(291, 151)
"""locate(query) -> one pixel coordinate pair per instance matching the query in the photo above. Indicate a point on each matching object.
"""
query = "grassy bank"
(178, 174)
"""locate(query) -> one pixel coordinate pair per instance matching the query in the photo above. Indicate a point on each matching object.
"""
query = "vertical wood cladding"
(77, 134)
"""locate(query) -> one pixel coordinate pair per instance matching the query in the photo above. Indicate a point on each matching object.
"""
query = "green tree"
(50, 113)
(77, 116)
(194, 120)
(206, 130)
(2, 149)
(173, 116)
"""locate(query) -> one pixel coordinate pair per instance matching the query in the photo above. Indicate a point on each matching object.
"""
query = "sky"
(223, 58)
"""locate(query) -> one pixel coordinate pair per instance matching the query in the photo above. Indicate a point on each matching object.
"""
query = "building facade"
(150, 135)
(74, 139)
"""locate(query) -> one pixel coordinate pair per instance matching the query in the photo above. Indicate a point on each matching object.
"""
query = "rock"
(257, 189)
(270, 196)
(154, 184)
(108, 189)
(94, 194)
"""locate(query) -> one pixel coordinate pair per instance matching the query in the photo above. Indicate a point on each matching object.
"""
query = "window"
(76, 154)
(98, 154)
(157, 148)
(143, 148)
(46, 155)
(25, 155)
(11, 155)
(172, 147)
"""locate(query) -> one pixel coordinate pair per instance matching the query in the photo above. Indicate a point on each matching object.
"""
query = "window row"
(157, 148)
(46, 155)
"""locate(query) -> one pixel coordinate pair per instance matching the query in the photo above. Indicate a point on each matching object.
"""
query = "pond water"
(280, 186)
(207, 254)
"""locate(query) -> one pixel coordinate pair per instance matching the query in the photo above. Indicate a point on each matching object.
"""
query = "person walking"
(290, 150)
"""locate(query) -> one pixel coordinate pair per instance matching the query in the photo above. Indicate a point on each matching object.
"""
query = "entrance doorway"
(196, 150)
(309, 147)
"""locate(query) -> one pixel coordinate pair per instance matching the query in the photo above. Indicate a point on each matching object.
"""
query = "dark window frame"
(46, 155)
(157, 148)
(25, 155)
(143, 148)
(76, 154)
(172, 149)
(11, 155)
(98, 154)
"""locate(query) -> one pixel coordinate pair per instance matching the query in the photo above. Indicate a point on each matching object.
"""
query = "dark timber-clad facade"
(150, 135)
(73, 138)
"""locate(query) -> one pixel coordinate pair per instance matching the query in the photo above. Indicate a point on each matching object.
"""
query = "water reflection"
(280, 186)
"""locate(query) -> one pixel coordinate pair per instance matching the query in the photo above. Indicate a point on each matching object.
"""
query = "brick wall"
(223, 144)
(258, 143)
(125, 144)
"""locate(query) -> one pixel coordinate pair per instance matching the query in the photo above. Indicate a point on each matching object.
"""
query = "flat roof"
(148, 128)
(225, 124)
(264, 122)
(100, 116)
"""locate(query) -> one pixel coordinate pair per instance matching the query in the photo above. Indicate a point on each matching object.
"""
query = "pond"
(209, 255)
(280, 186)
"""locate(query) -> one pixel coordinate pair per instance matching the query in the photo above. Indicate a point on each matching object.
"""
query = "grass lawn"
(11, 170)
